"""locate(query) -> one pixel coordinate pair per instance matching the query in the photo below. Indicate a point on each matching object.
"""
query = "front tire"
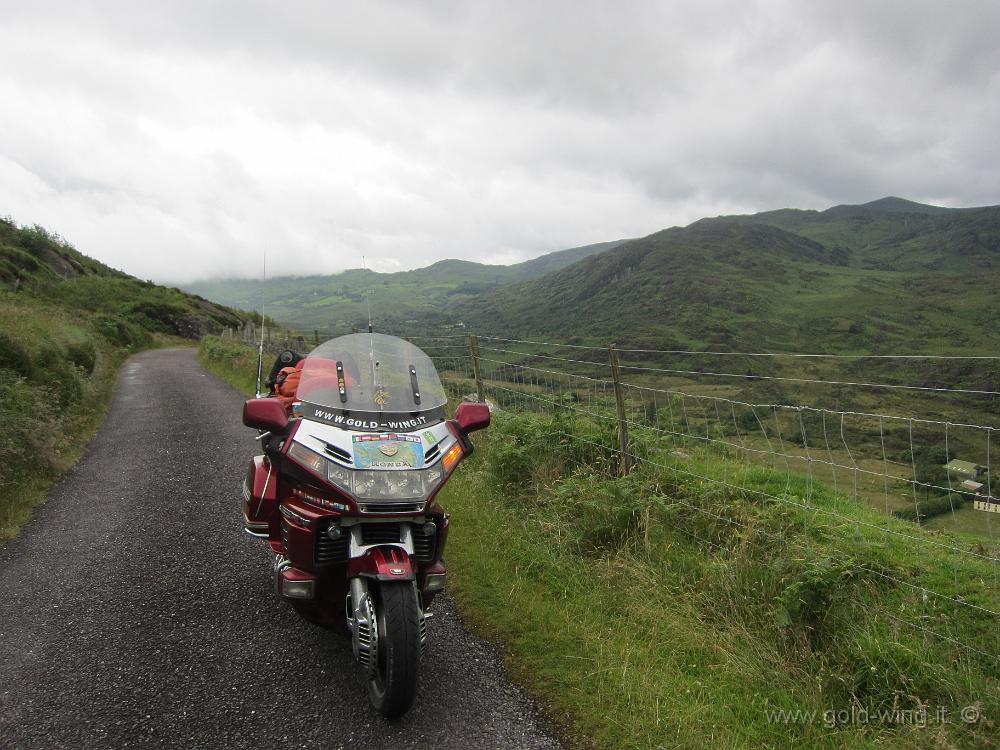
(393, 683)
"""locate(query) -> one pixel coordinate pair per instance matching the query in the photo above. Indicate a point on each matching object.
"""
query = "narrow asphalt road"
(134, 612)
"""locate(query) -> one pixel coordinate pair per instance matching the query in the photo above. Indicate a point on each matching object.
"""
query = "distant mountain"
(339, 301)
(892, 204)
(890, 274)
(544, 264)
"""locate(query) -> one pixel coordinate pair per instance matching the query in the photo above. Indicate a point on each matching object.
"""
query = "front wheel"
(392, 684)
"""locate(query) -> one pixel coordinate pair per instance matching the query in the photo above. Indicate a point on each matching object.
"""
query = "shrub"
(930, 507)
(14, 356)
(83, 354)
(121, 332)
(162, 317)
(809, 597)
(18, 406)
(603, 513)
(55, 372)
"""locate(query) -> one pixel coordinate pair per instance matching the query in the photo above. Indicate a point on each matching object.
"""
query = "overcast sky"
(178, 140)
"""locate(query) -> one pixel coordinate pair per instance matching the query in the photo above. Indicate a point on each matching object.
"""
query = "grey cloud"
(178, 140)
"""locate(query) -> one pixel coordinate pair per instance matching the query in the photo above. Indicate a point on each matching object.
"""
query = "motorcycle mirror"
(265, 414)
(472, 417)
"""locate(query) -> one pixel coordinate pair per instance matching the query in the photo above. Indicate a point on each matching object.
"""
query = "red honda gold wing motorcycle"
(344, 493)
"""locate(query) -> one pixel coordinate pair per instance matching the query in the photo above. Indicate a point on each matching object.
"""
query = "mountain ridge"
(868, 276)
(339, 300)
(890, 274)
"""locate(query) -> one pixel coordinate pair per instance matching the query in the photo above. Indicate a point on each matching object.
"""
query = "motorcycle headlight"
(388, 485)
(408, 484)
(339, 476)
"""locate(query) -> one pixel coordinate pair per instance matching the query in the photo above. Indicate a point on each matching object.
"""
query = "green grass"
(57, 375)
(665, 611)
(233, 361)
(967, 520)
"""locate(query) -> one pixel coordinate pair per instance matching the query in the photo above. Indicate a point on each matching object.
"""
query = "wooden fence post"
(315, 337)
(625, 461)
(474, 351)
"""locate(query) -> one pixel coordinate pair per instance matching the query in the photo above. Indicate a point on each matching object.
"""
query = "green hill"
(66, 323)
(41, 268)
(889, 276)
(339, 301)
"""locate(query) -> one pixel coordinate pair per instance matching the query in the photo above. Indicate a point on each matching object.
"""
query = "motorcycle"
(345, 493)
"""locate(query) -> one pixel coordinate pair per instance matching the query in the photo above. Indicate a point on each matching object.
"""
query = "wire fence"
(899, 477)
(899, 449)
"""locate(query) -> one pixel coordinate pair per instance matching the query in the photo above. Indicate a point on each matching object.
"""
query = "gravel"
(134, 611)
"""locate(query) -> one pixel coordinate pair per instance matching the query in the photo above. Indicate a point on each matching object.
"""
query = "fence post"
(316, 337)
(474, 351)
(625, 461)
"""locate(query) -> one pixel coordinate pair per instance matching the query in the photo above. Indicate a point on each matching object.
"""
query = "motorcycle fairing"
(260, 494)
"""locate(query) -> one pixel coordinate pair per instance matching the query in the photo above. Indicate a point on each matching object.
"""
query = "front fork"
(362, 622)
(382, 564)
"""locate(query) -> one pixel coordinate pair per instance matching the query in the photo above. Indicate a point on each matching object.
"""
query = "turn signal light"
(452, 456)
(435, 582)
(296, 584)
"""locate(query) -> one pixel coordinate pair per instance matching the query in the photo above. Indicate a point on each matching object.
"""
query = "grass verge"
(658, 611)
(233, 361)
(57, 375)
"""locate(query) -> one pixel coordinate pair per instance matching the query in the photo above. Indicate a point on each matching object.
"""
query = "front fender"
(387, 562)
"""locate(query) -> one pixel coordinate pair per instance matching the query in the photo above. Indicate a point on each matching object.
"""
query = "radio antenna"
(260, 349)
(368, 297)
(371, 328)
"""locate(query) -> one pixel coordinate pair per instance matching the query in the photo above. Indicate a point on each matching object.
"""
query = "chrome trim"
(391, 506)
(338, 453)
(292, 516)
(423, 618)
(279, 564)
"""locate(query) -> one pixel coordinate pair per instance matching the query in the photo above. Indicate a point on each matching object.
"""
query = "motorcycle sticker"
(429, 437)
(384, 421)
(388, 451)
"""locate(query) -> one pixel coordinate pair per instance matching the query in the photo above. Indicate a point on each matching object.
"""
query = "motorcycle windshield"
(370, 381)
